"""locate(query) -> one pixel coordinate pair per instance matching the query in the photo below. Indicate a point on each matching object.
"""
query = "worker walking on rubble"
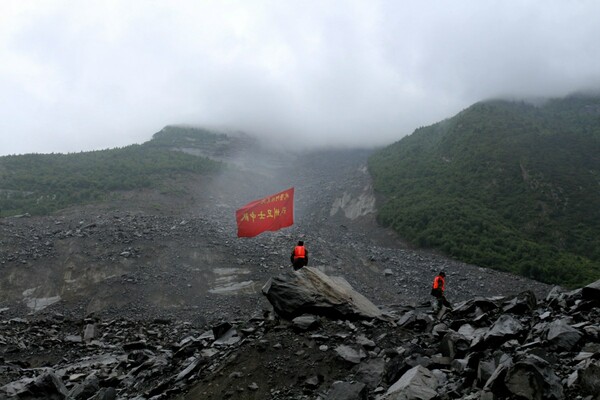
(441, 304)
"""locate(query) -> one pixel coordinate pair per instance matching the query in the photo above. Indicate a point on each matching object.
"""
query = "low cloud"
(88, 75)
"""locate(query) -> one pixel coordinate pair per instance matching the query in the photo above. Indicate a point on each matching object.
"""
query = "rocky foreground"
(332, 344)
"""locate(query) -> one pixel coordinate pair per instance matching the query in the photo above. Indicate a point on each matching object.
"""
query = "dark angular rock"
(474, 308)
(532, 378)
(562, 336)
(370, 372)
(589, 378)
(108, 393)
(415, 320)
(305, 322)
(228, 338)
(522, 303)
(485, 370)
(351, 354)
(221, 329)
(137, 345)
(313, 382)
(495, 385)
(90, 332)
(46, 387)
(86, 389)
(416, 383)
(505, 328)
(365, 342)
(592, 291)
(394, 369)
(454, 345)
(347, 391)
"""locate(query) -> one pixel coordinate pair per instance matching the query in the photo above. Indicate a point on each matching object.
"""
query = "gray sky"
(82, 75)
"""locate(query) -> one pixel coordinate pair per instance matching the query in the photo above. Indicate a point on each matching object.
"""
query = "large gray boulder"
(310, 291)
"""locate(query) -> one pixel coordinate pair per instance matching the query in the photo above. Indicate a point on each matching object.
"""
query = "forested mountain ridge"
(507, 185)
(38, 184)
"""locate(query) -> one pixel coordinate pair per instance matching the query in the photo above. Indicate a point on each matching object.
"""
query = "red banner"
(268, 214)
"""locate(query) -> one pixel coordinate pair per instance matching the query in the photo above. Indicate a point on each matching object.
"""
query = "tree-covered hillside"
(42, 183)
(506, 185)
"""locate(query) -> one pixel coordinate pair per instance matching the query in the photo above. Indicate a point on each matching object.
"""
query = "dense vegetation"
(506, 185)
(41, 183)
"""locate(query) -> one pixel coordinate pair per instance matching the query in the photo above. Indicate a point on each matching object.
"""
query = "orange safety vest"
(436, 283)
(299, 252)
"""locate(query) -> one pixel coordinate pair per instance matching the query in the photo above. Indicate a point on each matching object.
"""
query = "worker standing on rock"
(437, 290)
(299, 257)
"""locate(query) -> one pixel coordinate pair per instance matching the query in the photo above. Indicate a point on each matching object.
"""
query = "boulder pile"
(514, 347)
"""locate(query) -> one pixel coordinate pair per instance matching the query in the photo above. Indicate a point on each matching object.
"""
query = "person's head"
(442, 274)
(300, 243)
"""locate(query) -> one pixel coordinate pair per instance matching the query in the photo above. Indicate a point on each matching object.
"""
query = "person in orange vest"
(299, 257)
(437, 290)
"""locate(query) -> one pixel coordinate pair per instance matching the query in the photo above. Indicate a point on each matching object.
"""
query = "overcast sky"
(82, 75)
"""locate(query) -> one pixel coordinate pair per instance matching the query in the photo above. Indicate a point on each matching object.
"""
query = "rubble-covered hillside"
(175, 251)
